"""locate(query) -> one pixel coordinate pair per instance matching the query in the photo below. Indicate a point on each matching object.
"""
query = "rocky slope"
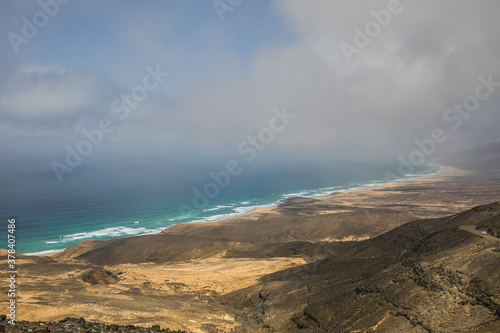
(425, 276)
(269, 236)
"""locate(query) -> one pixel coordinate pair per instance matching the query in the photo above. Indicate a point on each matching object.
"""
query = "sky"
(284, 80)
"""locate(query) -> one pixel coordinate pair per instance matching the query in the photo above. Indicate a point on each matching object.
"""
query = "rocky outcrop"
(74, 325)
(99, 276)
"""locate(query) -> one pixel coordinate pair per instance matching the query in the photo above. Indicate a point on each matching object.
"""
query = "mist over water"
(129, 201)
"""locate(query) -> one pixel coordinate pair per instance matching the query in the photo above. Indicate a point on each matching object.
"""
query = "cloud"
(38, 93)
(394, 91)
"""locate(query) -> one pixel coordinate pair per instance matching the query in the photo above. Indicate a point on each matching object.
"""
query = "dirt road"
(472, 229)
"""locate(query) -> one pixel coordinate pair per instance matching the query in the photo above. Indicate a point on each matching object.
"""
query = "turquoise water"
(52, 216)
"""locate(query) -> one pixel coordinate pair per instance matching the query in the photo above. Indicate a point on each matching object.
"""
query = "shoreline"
(429, 196)
(445, 171)
(267, 209)
(432, 196)
(373, 184)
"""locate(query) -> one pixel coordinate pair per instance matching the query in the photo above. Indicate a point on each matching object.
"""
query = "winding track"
(472, 229)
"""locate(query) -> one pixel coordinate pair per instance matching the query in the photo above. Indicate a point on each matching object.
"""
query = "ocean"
(101, 204)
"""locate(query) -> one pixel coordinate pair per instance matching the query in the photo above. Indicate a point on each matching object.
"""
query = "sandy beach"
(430, 196)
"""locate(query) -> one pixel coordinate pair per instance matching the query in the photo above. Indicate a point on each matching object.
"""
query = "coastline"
(272, 208)
(432, 196)
(347, 201)
(435, 195)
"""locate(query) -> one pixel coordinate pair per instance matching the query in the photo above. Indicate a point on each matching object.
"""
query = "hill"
(425, 276)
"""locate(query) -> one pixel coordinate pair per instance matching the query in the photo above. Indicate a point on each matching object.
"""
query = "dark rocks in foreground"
(74, 325)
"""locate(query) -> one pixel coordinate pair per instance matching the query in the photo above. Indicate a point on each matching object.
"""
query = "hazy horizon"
(179, 82)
